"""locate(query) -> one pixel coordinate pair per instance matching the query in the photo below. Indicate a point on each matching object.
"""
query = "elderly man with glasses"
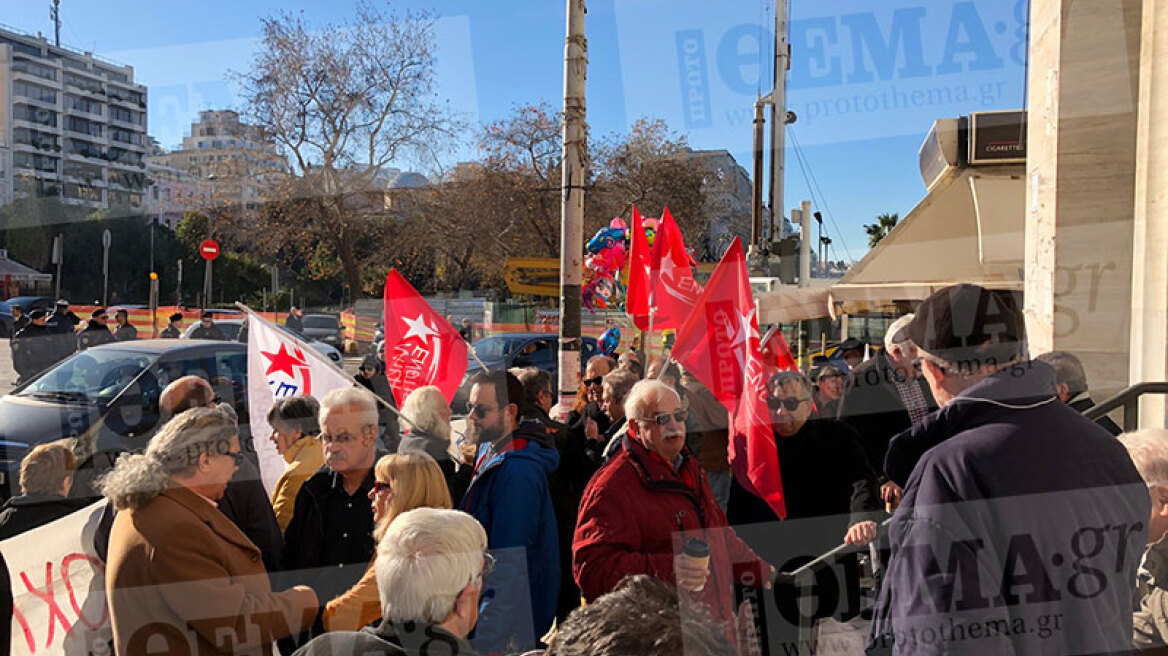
(329, 541)
(431, 567)
(651, 490)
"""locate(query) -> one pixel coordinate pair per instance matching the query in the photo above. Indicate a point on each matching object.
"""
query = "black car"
(107, 398)
(324, 328)
(500, 352)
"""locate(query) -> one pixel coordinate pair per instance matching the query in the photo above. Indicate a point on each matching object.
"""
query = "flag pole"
(474, 354)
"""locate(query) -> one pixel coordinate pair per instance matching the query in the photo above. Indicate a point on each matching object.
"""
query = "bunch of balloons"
(605, 258)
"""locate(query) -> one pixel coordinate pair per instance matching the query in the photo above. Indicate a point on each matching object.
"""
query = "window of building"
(125, 115)
(84, 83)
(33, 68)
(83, 126)
(79, 104)
(35, 115)
(40, 140)
(36, 92)
(87, 172)
(34, 161)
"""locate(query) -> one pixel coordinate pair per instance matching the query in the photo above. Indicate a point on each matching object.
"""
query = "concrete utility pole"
(805, 245)
(572, 216)
(756, 186)
(779, 113)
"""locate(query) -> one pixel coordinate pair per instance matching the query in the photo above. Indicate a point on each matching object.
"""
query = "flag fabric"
(776, 355)
(674, 289)
(719, 344)
(421, 347)
(640, 257)
(280, 365)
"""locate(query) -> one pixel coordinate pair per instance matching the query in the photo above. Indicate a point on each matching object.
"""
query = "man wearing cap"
(885, 396)
(97, 332)
(852, 352)
(1021, 529)
(33, 349)
(62, 324)
(173, 329)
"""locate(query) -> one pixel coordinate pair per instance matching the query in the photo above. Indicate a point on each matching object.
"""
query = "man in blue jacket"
(1022, 523)
(509, 496)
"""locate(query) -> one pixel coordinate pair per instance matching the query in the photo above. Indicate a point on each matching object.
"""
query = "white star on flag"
(418, 328)
(742, 336)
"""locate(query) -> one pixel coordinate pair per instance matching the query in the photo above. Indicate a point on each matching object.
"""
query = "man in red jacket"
(647, 501)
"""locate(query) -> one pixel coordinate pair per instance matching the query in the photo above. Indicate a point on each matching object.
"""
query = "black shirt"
(348, 529)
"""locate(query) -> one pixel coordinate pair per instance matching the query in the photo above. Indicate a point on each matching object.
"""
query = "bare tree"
(345, 102)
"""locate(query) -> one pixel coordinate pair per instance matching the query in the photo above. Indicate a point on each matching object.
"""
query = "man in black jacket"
(885, 396)
(33, 348)
(63, 324)
(97, 332)
(329, 542)
(124, 332)
(1071, 381)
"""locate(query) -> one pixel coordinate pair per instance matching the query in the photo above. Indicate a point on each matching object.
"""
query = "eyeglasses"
(339, 438)
(662, 418)
(235, 456)
(479, 410)
(791, 403)
(382, 486)
(589, 382)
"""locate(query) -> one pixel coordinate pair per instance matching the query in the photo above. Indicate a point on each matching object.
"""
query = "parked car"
(233, 328)
(6, 319)
(499, 352)
(107, 398)
(30, 303)
(325, 328)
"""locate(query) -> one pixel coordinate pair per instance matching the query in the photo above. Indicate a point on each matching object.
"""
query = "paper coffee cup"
(699, 551)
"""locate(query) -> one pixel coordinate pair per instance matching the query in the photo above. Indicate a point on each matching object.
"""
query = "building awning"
(969, 228)
(17, 272)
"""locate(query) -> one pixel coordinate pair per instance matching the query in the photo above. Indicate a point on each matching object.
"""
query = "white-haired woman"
(429, 413)
(177, 568)
(1148, 449)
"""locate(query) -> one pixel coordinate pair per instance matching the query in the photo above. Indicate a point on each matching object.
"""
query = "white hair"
(646, 394)
(1148, 449)
(896, 327)
(423, 408)
(138, 478)
(351, 397)
(426, 557)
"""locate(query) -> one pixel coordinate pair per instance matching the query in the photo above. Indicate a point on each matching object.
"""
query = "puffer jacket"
(509, 496)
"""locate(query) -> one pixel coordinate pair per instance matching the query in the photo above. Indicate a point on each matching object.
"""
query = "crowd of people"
(620, 527)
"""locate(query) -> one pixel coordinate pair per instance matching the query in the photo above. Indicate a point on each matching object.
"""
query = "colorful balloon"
(610, 340)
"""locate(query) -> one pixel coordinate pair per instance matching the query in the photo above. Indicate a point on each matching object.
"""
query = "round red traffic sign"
(209, 249)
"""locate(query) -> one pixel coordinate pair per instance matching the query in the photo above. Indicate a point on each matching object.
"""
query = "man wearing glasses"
(651, 490)
(329, 541)
(509, 496)
(431, 567)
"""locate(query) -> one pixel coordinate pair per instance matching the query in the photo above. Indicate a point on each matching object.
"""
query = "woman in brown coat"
(179, 572)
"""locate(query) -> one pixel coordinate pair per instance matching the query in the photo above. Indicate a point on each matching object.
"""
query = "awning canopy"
(969, 228)
(17, 272)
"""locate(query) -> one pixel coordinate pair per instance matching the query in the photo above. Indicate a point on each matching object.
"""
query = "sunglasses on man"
(479, 410)
(589, 382)
(791, 403)
(662, 418)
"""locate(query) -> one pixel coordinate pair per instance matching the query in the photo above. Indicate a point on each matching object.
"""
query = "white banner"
(279, 365)
(58, 587)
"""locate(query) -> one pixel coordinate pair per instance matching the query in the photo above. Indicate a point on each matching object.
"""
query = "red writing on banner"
(47, 596)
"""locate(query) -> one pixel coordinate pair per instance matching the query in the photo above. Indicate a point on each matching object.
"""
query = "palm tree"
(879, 230)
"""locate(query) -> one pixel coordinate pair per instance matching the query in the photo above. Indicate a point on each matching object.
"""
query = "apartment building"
(72, 126)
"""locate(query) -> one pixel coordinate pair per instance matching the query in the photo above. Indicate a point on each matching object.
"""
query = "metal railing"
(1129, 400)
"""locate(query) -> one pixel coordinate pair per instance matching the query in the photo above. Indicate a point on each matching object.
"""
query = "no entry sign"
(209, 249)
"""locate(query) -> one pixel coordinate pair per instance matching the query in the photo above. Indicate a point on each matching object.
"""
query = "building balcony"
(85, 136)
(139, 166)
(36, 102)
(33, 125)
(81, 180)
(92, 158)
(42, 148)
(90, 91)
(33, 77)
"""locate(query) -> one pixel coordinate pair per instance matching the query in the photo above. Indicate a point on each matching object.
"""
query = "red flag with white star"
(674, 289)
(421, 347)
(637, 298)
(719, 344)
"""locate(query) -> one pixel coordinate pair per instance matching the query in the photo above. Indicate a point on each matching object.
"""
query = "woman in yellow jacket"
(404, 481)
(294, 429)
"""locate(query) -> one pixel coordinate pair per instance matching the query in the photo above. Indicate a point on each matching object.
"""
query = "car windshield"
(91, 376)
(495, 348)
(321, 322)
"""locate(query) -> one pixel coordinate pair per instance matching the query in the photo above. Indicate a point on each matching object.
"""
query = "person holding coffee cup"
(652, 491)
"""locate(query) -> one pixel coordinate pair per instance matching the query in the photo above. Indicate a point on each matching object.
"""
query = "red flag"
(637, 298)
(421, 348)
(776, 355)
(719, 343)
(674, 289)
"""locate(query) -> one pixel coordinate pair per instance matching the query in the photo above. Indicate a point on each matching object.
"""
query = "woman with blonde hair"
(403, 481)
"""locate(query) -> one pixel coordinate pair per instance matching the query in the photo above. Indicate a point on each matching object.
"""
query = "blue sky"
(867, 79)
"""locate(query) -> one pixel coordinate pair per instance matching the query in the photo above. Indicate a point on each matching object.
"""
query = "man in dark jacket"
(329, 542)
(63, 324)
(45, 476)
(207, 329)
(509, 496)
(124, 332)
(33, 348)
(430, 577)
(19, 318)
(651, 490)
(97, 332)
(885, 396)
(173, 329)
(1020, 531)
(1071, 381)
(295, 320)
